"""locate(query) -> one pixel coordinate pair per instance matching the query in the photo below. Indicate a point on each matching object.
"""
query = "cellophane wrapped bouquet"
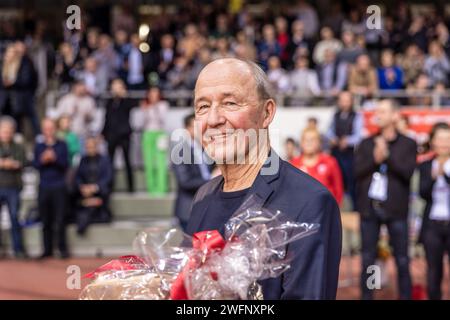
(207, 266)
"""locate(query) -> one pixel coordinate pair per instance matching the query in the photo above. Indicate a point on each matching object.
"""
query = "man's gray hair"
(263, 86)
(9, 121)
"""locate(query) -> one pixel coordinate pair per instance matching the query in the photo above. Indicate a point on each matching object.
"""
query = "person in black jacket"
(384, 164)
(93, 187)
(190, 174)
(435, 190)
(117, 129)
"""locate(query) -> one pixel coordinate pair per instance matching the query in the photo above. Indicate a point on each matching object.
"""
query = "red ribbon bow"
(205, 241)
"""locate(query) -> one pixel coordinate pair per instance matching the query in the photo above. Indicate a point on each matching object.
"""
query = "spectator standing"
(93, 187)
(243, 48)
(162, 61)
(149, 122)
(117, 129)
(390, 76)
(222, 49)
(177, 77)
(354, 23)
(107, 59)
(437, 64)
(291, 149)
(344, 135)
(268, 46)
(80, 107)
(363, 77)
(122, 47)
(70, 138)
(332, 74)
(298, 44)
(278, 77)
(418, 91)
(411, 62)
(281, 26)
(351, 50)
(385, 161)
(417, 33)
(18, 86)
(66, 66)
(96, 82)
(327, 42)
(306, 13)
(135, 64)
(191, 173)
(51, 159)
(304, 82)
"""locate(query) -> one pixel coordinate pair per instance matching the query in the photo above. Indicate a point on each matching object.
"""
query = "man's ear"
(269, 110)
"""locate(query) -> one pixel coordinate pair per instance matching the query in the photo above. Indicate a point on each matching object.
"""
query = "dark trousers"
(87, 215)
(11, 197)
(52, 209)
(345, 161)
(436, 241)
(398, 238)
(124, 143)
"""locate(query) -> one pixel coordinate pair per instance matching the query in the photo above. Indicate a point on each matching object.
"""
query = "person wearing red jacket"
(318, 164)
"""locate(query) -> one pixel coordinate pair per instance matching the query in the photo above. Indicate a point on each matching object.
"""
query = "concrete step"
(111, 239)
(126, 206)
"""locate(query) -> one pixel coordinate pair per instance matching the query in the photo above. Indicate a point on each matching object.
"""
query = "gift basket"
(207, 266)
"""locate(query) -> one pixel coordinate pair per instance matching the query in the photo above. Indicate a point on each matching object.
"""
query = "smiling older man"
(233, 96)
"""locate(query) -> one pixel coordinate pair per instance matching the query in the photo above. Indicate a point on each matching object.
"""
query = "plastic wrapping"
(206, 266)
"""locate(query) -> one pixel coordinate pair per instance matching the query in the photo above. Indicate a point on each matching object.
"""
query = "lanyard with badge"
(379, 184)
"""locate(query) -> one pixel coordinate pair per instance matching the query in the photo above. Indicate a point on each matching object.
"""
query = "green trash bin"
(154, 152)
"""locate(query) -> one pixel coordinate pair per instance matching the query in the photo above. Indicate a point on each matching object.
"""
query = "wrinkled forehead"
(223, 78)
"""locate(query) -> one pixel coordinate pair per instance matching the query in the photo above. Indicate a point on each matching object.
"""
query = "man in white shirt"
(135, 78)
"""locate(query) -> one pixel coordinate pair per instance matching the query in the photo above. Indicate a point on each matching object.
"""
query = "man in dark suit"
(384, 164)
(190, 174)
(233, 96)
(117, 128)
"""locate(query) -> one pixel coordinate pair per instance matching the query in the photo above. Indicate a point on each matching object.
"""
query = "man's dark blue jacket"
(314, 269)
